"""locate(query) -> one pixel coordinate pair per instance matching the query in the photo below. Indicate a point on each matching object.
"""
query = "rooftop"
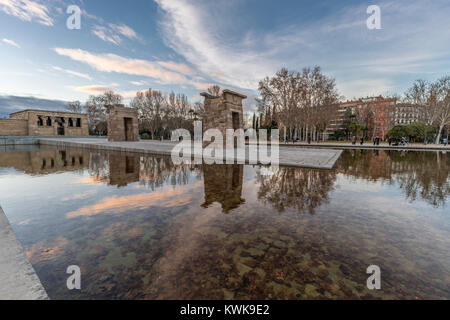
(47, 111)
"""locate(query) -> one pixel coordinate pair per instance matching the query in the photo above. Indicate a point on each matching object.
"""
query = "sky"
(186, 45)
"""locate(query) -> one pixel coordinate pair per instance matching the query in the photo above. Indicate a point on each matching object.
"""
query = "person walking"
(362, 141)
(309, 139)
(390, 141)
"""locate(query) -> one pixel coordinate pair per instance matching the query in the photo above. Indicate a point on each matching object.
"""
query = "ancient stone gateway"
(123, 124)
(223, 112)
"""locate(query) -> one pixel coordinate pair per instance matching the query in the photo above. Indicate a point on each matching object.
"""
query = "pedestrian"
(445, 142)
(390, 141)
(362, 141)
(309, 139)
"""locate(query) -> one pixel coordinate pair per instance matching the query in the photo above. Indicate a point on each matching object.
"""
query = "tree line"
(302, 105)
(158, 113)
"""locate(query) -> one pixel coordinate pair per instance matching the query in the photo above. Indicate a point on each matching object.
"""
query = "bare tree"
(97, 109)
(319, 97)
(281, 94)
(74, 106)
(110, 99)
(214, 90)
(424, 95)
(443, 105)
(151, 106)
(299, 101)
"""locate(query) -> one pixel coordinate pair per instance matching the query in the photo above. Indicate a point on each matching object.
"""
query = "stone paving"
(367, 145)
(18, 280)
(298, 157)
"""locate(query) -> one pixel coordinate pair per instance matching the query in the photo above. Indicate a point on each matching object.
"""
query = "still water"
(141, 228)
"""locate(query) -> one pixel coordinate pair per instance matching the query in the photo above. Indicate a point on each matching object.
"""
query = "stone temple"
(44, 123)
(223, 112)
(123, 124)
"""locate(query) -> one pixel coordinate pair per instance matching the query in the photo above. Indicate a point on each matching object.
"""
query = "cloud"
(178, 67)
(73, 73)
(11, 104)
(186, 32)
(10, 42)
(113, 33)
(165, 197)
(410, 44)
(106, 35)
(94, 89)
(27, 10)
(138, 83)
(100, 89)
(366, 87)
(110, 62)
(125, 31)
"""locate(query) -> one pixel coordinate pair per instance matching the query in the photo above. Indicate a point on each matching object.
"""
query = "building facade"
(404, 114)
(374, 112)
(44, 123)
(123, 124)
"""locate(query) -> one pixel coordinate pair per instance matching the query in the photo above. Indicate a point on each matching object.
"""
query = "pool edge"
(18, 279)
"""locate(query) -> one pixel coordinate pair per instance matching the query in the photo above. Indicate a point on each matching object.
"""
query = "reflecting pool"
(141, 228)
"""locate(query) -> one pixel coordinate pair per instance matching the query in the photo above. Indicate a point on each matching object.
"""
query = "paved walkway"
(368, 145)
(18, 280)
(298, 157)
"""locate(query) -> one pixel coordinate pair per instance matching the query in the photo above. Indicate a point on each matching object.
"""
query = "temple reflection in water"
(123, 169)
(421, 175)
(223, 184)
(43, 161)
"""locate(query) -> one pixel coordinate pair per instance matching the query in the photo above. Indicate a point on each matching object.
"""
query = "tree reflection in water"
(418, 174)
(304, 189)
(151, 172)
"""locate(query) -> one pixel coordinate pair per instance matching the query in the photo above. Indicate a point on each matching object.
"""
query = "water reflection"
(151, 172)
(223, 184)
(421, 175)
(141, 228)
(304, 190)
(41, 162)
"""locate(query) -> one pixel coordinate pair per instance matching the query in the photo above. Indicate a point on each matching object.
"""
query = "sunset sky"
(185, 46)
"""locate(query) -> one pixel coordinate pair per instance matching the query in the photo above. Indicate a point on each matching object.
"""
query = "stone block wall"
(34, 129)
(220, 111)
(13, 127)
(123, 124)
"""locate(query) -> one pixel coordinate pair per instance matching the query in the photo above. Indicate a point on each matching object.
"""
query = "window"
(49, 121)
(70, 122)
(40, 121)
(78, 122)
